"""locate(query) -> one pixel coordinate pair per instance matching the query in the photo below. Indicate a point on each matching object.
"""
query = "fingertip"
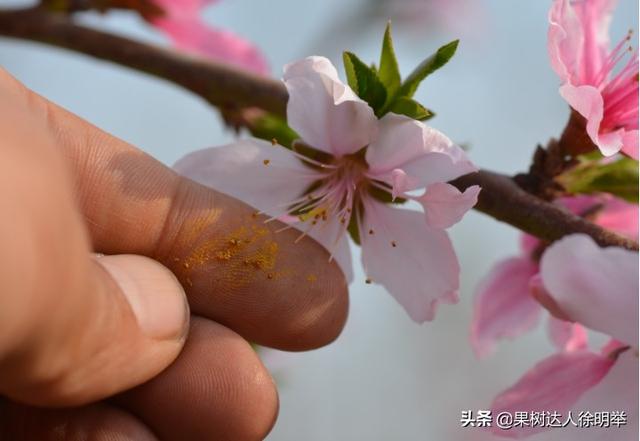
(154, 294)
(122, 327)
(219, 387)
(322, 320)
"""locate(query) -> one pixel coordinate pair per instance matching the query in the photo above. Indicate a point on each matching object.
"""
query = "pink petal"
(554, 384)
(528, 244)
(424, 154)
(630, 143)
(415, 263)
(597, 287)
(619, 215)
(567, 336)
(444, 205)
(191, 34)
(618, 391)
(400, 182)
(183, 8)
(542, 296)
(564, 40)
(588, 102)
(578, 38)
(579, 204)
(503, 307)
(326, 113)
(594, 16)
(614, 214)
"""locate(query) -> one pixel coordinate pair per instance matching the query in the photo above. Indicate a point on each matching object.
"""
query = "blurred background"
(385, 378)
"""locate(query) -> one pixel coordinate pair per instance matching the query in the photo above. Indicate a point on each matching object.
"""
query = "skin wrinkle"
(241, 383)
(97, 422)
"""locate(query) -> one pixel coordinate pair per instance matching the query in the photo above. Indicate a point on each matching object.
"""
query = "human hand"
(107, 341)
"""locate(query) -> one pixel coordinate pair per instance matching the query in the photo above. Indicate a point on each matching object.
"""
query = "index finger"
(235, 268)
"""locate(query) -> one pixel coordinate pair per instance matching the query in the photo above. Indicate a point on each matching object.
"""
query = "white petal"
(332, 236)
(324, 111)
(595, 286)
(426, 155)
(415, 263)
(239, 170)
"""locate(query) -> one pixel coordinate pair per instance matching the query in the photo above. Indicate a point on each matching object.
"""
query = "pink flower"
(598, 288)
(182, 23)
(503, 304)
(578, 46)
(358, 157)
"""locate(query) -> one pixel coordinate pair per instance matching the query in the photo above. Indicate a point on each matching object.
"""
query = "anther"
(370, 231)
(274, 141)
(393, 243)
(368, 281)
(266, 162)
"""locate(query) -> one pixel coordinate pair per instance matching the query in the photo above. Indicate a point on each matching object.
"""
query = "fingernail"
(153, 292)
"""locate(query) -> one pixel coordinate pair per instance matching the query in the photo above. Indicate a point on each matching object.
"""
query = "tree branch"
(224, 86)
(504, 200)
(219, 84)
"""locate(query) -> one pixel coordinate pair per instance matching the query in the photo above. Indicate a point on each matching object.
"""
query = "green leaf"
(426, 68)
(389, 71)
(364, 81)
(271, 127)
(352, 79)
(411, 108)
(619, 178)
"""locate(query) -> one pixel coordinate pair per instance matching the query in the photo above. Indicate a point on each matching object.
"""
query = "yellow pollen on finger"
(312, 278)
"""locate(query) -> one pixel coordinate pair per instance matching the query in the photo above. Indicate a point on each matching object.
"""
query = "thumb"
(73, 329)
(118, 332)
